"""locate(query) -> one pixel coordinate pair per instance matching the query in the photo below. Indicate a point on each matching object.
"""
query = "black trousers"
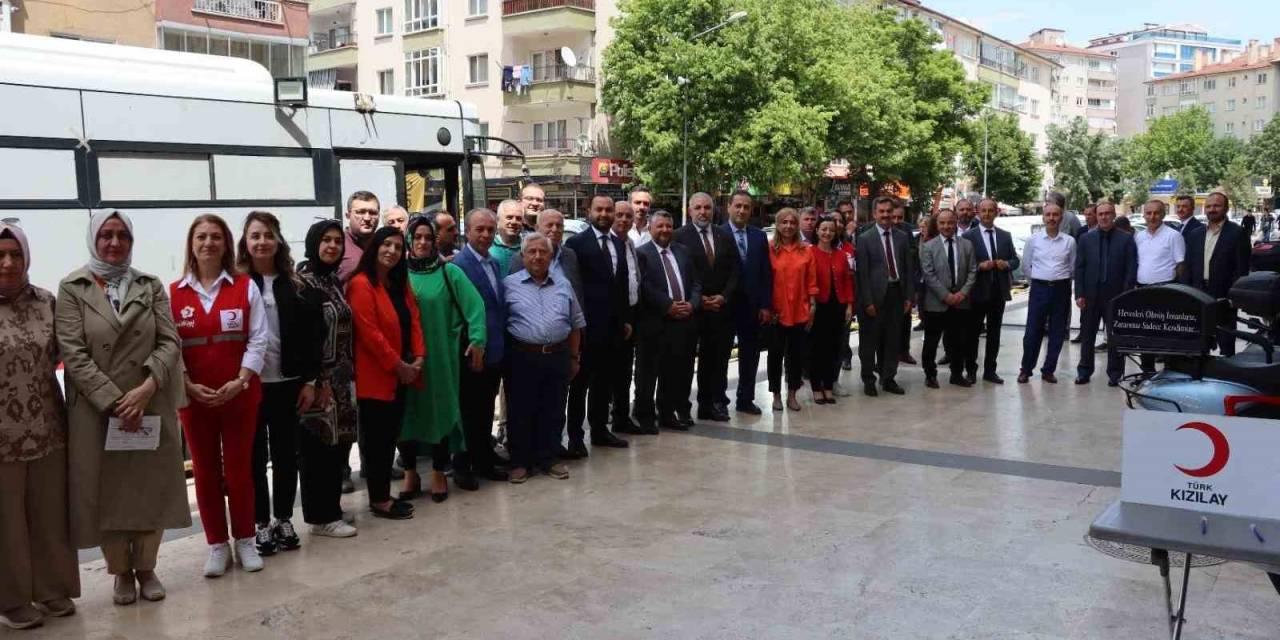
(991, 315)
(276, 439)
(379, 431)
(747, 330)
(789, 347)
(622, 368)
(950, 327)
(409, 450)
(824, 345)
(536, 386)
(478, 390)
(321, 468)
(594, 376)
(880, 337)
(715, 341)
(664, 366)
(1092, 317)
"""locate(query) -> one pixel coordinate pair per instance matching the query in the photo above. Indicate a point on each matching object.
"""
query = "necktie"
(951, 262)
(677, 295)
(889, 258)
(706, 246)
(991, 238)
(742, 243)
(604, 248)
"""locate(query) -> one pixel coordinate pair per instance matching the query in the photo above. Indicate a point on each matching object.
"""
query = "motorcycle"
(1193, 381)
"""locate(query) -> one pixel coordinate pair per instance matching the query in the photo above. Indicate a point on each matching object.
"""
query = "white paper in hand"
(146, 438)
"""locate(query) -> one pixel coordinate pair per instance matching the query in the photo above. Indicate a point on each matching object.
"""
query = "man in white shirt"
(641, 201)
(1048, 260)
(1161, 250)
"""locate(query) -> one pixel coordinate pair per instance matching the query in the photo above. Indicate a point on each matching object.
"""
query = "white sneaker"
(335, 529)
(219, 559)
(247, 555)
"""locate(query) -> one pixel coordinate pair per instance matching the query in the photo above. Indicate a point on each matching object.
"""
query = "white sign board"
(1211, 464)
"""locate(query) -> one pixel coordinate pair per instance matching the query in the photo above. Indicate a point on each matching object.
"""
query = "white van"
(164, 136)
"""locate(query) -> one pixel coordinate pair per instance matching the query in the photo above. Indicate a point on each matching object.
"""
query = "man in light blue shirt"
(545, 323)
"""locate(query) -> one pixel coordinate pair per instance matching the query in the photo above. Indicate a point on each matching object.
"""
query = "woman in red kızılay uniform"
(222, 323)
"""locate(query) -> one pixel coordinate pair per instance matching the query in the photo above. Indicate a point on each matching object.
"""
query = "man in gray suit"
(949, 270)
(564, 262)
(886, 277)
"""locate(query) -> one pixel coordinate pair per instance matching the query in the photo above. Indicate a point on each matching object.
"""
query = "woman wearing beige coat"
(122, 359)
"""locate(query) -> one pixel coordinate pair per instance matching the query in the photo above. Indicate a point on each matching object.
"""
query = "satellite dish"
(568, 57)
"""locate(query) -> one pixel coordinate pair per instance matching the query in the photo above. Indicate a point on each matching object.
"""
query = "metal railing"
(1003, 67)
(512, 7)
(344, 37)
(261, 10)
(558, 72)
(566, 146)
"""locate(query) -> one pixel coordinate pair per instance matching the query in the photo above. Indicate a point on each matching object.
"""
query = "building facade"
(1154, 52)
(126, 22)
(1087, 84)
(1240, 92)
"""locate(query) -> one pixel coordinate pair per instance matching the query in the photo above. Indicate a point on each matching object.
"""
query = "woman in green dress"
(450, 306)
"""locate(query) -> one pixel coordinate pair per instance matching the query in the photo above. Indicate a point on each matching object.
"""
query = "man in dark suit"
(715, 266)
(751, 305)
(997, 260)
(1184, 207)
(669, 296)
(478, 389)
(602, 264)
(886, 287)
(1217, 256)
(623, 219)
(913, 246)
(1106, 266)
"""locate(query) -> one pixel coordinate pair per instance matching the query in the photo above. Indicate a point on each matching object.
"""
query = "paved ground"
(845, 521)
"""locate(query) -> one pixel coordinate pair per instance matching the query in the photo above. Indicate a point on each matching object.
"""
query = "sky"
(1015, 20)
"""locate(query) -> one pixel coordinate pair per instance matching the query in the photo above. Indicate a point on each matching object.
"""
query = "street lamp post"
(986, 126)
(682, 82)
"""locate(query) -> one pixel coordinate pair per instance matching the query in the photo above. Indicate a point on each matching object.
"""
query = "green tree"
(1183, 146)
(1264, 152)
(1237, 183)
(1086, 167)
(1010, 158)
(776, 96)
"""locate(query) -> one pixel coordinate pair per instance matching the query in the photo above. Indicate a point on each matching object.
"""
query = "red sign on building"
(612, 171)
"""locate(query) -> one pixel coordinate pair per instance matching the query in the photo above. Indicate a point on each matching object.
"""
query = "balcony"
(332, 50)
(1016, 70)
(555, 84)
(537, 17)
(257, 10)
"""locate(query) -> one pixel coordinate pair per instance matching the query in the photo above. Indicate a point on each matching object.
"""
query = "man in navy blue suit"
(1106, 266)
(997, 260)
(1184, 207)
(479, 388)
(751, 306)
(1217, 256)
(602, 265)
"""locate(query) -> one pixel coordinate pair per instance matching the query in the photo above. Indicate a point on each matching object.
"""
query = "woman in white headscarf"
(123, 372)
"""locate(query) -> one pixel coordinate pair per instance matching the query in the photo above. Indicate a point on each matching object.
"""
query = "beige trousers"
(37, 561)
(127, 551)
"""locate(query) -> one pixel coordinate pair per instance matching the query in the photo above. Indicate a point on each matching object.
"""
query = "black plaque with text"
(1164, 319)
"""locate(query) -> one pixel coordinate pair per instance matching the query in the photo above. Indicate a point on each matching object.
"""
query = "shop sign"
(612, 171)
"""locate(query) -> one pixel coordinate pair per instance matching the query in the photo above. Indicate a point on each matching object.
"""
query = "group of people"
(405, 338)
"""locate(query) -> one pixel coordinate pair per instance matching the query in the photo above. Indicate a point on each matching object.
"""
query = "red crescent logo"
(1221, 450)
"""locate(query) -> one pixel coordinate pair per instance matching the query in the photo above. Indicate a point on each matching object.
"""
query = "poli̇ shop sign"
(1211, 464)
(1170, 318)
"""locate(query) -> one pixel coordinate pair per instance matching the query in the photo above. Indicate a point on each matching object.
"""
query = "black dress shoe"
(993, 378)
(465, 481)
(960, 381)
(674, 424)
(906, 359)
(649, 429)
(931, 382)
(1024, 378)
(496, 475)
(606, 439)
(685, 421)
(712, 414)
(1049, 377)
(946, 359)
(1113, 383)
(892, 387)
(869, 388)
(749, 407)
(847, 365)
(972, 378)
(576, 451)
(1082, 380)
(626, 425)
(1101, 346)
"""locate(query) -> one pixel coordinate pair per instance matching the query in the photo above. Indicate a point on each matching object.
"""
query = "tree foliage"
(1086, 167)
(1264, 151)
(1182, 146)
(1010, 158)
(1237, 183)
(776, 96)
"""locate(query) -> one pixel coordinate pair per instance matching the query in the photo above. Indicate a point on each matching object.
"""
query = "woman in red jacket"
(389, 353)
(222, 323)
(834, 310)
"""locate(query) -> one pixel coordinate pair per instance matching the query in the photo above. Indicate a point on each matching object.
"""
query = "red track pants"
(221, 443)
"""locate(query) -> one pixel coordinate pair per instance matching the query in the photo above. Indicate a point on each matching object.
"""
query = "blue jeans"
(1051, 300)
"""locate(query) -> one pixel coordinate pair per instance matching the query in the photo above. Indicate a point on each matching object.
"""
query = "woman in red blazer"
(389, 352)
(834, 310)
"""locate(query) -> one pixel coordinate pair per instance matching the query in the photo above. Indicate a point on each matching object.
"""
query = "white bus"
(164, 136)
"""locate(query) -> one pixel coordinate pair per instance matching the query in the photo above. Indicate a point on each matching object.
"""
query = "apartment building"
(113, 21)
(1087, 84)
(1240, 91)
(1151, 53)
